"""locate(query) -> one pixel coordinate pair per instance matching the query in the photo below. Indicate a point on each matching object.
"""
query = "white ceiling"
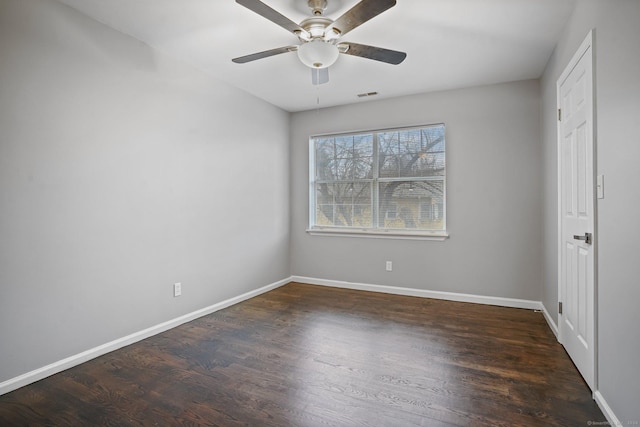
(449, 44)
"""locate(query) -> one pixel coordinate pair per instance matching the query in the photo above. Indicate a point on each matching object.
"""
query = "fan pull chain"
(317, 71)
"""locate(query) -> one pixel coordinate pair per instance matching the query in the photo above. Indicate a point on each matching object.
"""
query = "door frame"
(587, 45)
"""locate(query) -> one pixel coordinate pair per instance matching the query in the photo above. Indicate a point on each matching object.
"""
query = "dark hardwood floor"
(305, 355)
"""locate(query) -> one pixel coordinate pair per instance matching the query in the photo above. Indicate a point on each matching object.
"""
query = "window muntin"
(379, 181)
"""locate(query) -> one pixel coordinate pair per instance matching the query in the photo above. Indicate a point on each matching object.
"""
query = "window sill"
(380, 234)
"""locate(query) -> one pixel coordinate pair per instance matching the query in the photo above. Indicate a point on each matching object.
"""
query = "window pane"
(344, 158)
(325, 155)
(362, 156)
(388, 150)
(412, 153)
(412, 205)
(344, 204)
(432, 161)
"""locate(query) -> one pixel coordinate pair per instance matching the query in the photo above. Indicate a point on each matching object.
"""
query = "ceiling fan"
(320, 36)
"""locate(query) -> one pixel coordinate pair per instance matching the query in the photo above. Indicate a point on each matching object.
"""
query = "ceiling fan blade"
(371, 52)
(265, 54)
(359, 14)
(272, 15)
(319, 76)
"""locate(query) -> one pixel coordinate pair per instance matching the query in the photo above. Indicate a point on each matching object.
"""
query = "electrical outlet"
(177, 289)
(389, 266)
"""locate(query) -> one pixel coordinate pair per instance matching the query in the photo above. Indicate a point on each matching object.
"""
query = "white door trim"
(587, 44)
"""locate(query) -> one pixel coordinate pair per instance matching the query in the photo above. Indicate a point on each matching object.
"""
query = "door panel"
(581, 303)
(582, 180)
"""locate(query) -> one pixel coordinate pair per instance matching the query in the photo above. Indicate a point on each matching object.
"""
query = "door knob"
(587, 238)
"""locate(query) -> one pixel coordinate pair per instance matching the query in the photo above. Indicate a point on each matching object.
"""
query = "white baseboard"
(449, 296)
(550, 322)
(606, 410)
(61, 365)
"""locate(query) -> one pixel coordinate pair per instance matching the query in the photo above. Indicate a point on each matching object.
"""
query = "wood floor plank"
(305, 355)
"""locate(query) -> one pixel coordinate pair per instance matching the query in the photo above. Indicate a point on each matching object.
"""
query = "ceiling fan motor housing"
(315, 29)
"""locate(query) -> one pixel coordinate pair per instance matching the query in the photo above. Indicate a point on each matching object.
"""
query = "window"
(382, 182)
(391, 211)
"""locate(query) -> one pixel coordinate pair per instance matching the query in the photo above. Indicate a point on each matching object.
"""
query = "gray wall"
(617, 72)
(121, 172)
(493, 195)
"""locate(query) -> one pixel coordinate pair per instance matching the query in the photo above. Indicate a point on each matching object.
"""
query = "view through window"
(383, 180)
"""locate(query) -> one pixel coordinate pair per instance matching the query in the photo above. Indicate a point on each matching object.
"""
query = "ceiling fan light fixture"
(318, 54)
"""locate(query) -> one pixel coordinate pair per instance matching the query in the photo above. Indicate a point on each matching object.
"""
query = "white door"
(576, 216)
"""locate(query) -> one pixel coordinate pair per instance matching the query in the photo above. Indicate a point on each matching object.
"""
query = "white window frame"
(375, 231)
